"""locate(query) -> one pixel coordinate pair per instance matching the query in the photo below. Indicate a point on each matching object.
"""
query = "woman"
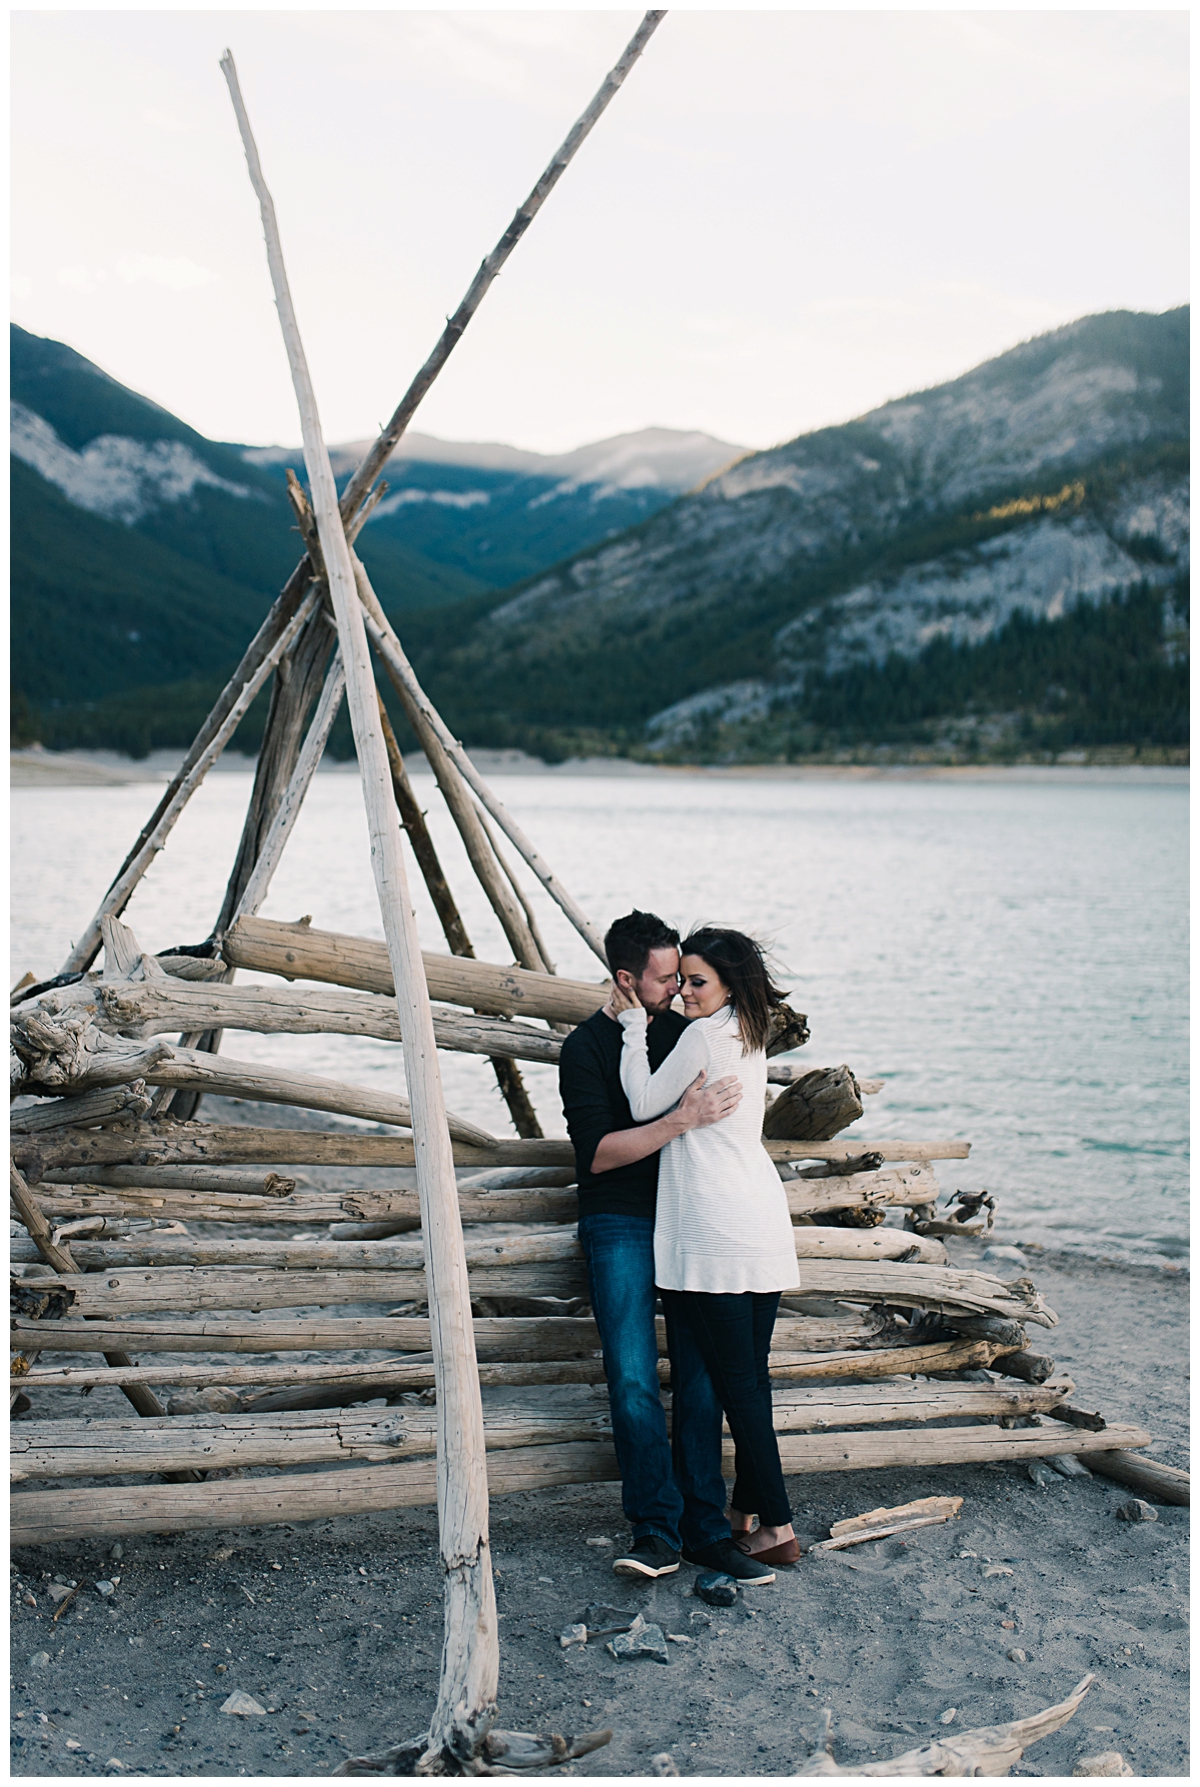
(724, 1248)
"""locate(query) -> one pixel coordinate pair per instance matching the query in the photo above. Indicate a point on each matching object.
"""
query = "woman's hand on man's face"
(623, 998)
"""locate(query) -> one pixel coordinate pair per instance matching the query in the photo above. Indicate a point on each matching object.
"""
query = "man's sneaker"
(650, 1556)
(727, 1556)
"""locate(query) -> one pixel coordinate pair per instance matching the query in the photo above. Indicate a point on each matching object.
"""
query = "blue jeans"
(732, 1333)
(670, 1488)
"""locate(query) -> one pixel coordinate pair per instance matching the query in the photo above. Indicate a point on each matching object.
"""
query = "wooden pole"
(404, 676)
(455, 793)
(307, 764)
(185, 781)
(522, 896)
(508, 1074)
(257, 665)
(375, 460)
(470, 1653)
(297, 678)
(58, 1256)
(466, 817)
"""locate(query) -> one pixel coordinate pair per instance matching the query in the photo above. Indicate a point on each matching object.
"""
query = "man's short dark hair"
(629, 940)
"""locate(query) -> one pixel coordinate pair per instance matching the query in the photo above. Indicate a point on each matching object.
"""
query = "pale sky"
(784, 218)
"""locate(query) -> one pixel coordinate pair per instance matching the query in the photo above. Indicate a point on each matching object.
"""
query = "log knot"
(61, 1050)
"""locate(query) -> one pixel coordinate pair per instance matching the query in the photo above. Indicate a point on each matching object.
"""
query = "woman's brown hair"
(741, 964)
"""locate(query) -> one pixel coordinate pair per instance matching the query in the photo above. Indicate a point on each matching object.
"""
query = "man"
(671, 1490)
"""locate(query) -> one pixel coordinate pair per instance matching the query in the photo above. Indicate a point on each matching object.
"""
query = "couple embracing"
(679, 1200)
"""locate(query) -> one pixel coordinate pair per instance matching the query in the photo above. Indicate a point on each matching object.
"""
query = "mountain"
(1052, 476)
(501, 514)
(144, 555)
(996, 563)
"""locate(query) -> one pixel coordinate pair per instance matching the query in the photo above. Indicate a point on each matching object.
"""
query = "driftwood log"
(212, 1196)
(496, 1337)
(815, 1107)
(1160, 1482)
(991, 1750)
(869, 1192)
(161, 1248)
(122, 1102)
(178, 1180)
(394, 1210)
(322, 1386)
(301, 952)
(139, 1290)
(47, 1515)
(71, 1053)
(214, 1144)
(99, 1447)
(142, 1288)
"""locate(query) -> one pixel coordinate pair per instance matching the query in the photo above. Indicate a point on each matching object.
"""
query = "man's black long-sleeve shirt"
(594, 1102)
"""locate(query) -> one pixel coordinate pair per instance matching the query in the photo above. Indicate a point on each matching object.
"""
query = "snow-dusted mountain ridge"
(1054, 473)
(500, 513)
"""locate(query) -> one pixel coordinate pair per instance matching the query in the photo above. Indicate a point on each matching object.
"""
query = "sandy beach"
(335, 1628)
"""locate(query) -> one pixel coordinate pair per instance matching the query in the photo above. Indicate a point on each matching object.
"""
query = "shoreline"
(37, 768)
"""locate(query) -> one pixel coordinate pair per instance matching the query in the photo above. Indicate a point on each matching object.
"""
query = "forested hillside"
(144, 556)
(1050, 479)
(991, 566)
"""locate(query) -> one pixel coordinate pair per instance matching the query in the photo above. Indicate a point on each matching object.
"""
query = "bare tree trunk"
(470, 1653)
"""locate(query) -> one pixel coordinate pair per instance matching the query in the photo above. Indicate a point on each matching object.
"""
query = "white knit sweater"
(722, 1221)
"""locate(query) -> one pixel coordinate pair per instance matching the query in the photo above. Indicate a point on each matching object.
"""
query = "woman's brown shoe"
(787, 1553)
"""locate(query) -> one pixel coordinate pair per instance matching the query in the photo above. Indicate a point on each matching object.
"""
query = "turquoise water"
(1010, 959)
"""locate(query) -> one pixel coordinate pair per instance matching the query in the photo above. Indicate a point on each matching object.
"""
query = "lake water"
(1011, 959)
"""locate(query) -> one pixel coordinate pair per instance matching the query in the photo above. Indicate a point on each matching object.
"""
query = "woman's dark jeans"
(684, 1505)
(732, 1334)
